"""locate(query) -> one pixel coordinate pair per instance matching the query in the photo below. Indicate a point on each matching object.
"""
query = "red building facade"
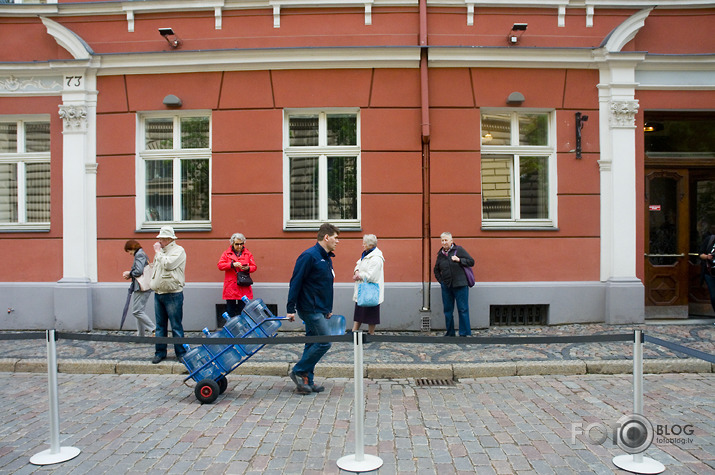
(400, 119)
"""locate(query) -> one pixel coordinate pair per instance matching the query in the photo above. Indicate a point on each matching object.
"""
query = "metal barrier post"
(637, 463)
(359, 462)
(55, 454)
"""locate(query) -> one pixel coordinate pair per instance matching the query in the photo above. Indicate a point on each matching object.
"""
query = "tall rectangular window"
(322, 161)
(175, 169)
(25, 173)
(518, 169)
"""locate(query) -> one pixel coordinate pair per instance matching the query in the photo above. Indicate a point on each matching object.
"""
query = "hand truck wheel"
(206, 391)
(222, 384)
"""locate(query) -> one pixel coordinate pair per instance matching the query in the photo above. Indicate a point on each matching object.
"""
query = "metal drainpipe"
(424, 97)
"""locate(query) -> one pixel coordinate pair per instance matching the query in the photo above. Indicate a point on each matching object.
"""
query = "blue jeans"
(169, 309)
(461, 296)
(710, 280)
(315, 324)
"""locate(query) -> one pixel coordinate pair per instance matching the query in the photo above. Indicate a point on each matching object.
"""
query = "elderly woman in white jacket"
(369, 268)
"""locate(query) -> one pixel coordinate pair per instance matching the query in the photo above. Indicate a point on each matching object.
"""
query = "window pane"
(342, 129)
(8, 137)
(496, 129)
(37, 137)
(304, 188)
(534, 184)
(692, 133)
(496, 187)
(342, 188)
(159, 190)
(159, 134)
(195, 132)
(37, 177)
(303, 131)
(194, 190)
(533, 129)
(8, 192)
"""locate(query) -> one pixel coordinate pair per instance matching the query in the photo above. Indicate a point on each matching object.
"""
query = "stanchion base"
(647, 466)
(369, 463)
(46, 457)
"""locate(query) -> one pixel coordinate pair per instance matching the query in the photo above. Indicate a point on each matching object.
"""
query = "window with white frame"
(322, 168)
(518, 168)
(174, 170)
(25, 173)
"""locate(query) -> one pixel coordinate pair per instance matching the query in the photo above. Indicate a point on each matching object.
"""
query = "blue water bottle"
(240, 327)
(336, 325)
(227, 356)
(270, 327)
(256, 310)
(195, 358)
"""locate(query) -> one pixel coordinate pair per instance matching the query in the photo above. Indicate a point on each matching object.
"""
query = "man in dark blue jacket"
(311, 294)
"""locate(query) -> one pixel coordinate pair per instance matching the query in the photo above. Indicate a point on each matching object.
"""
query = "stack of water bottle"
(213, 361)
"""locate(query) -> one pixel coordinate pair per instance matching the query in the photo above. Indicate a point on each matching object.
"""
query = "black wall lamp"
(515, 34)
(580, 119)
(170, 37)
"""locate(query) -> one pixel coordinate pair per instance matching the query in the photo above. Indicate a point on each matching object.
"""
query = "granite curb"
(377, 370)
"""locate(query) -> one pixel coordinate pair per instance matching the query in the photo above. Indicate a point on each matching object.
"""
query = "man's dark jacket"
(311, 286)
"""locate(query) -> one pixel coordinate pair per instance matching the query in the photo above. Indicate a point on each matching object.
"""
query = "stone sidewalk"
(403, 360)
(152, 424)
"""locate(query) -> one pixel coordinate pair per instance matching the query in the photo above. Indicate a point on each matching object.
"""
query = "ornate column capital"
(623, 114)
(74, 118)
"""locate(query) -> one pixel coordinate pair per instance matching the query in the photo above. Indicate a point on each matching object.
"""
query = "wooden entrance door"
(666, 243)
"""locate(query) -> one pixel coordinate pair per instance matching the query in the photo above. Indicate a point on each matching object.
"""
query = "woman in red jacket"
(236, 259)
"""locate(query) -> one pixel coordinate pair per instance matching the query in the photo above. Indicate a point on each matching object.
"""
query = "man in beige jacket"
(167, 282)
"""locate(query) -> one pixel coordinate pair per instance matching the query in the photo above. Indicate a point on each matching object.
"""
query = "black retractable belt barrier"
(285, 340)
(682, 349)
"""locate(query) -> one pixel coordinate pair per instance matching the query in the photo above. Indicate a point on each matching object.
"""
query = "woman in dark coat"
(449, 271)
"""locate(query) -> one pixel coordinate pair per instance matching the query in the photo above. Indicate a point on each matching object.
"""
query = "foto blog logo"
(632, 433)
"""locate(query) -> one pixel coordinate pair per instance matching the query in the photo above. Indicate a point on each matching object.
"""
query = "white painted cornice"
(158, 6)
(259, 59)
(499, 57)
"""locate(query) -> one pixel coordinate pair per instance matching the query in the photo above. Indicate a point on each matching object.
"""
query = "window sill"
(305, 226)
(178, 228)
(24, 228)
(519, 226)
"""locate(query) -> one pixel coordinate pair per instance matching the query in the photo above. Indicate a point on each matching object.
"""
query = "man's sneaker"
(317, 389)
(301, 383)
(158, 359)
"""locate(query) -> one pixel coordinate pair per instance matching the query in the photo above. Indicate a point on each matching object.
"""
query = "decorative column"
(73, 294)
(624, 292)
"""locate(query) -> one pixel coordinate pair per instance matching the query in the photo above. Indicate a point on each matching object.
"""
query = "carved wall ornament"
(26, 85)
(74, 117)
(623, 113)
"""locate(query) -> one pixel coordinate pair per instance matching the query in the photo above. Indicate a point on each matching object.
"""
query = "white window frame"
(21, 158)
(176, 154)
(516, 151)
(322, 151)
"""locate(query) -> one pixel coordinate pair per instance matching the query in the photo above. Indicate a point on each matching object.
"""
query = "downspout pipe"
(424, 101)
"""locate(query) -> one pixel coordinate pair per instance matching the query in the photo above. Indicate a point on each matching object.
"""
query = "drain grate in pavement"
(435, 383)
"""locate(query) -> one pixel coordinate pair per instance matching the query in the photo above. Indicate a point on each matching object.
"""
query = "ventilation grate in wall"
(514, 315)
(435, 383)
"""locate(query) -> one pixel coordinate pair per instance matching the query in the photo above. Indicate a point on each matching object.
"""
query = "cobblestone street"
(153, 424)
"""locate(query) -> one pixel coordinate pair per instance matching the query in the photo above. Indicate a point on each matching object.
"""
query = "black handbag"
(243, 278)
